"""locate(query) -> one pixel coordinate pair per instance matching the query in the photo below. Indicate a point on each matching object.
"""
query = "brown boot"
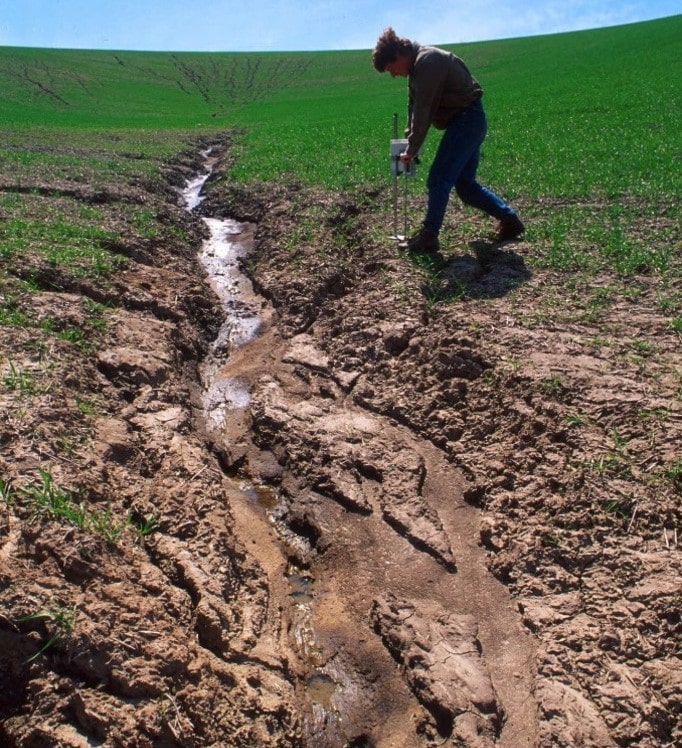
(509, 228)
(424, 242)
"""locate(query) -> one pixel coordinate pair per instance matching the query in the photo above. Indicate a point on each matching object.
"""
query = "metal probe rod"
(395, 179)
(405, 205)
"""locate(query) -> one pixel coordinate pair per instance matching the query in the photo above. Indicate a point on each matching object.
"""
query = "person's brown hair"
(389, 45)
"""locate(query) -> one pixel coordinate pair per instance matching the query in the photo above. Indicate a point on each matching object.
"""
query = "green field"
(584, 128)
(571, 114)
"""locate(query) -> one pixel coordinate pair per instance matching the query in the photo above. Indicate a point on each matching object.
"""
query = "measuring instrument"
(398, 168)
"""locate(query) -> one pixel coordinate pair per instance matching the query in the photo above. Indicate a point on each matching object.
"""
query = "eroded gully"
(380, 601)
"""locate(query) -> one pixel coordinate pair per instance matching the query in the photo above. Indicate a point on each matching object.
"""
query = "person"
(443, 93)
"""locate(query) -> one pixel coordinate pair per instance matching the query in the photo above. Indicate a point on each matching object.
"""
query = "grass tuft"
(58, 618)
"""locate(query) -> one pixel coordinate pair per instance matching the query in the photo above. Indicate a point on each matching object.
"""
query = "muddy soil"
(429, 523)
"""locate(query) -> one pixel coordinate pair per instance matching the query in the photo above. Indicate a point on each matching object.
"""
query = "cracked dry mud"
(394, 543)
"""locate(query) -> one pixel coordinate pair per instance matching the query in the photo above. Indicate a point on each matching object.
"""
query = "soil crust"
(432, 523)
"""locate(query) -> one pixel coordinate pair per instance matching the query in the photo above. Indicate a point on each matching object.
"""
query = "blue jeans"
(455, 165)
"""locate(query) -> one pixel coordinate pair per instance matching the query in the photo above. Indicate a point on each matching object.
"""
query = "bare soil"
(435, 523)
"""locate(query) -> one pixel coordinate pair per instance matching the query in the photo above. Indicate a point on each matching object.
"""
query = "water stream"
(220, 255)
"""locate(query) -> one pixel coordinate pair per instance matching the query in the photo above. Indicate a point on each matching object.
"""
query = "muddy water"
(225, 396)
(220, 256)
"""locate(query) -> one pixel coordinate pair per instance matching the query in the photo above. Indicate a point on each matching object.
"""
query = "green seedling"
(86, 407)
(142, 526)
(11, 315)
(78, 337)
(96, 312)
(146, 224)
(550, 386)
(619, 441)
(551, 540)
(61, 619)
(6, 492)
(611, 463)
(644, 347)
(674, 474)
(16, 379)
(47, 499)
(104, 524)
(619, 507)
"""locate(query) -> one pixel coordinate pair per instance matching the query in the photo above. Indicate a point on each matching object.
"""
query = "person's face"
(399, 66)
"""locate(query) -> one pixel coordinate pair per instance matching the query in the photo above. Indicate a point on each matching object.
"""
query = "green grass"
(142, 526)
(10, 314)
(45, 499)
(83, 336)
(583, 137)
(674, 474)
(548, 135)
(18, 380)
(60, 243)
(574, 114)
(58, 618)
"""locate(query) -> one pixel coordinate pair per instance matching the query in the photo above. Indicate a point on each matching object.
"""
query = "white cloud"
(477, 20)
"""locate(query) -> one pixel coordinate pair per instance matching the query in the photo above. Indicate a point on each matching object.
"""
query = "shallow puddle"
(321, 688)
(301, 587)
(264, 496)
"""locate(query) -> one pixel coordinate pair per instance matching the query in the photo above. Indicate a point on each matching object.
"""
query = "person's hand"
(405, 158)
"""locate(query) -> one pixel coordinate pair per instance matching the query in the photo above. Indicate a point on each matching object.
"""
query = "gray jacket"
(439, 87)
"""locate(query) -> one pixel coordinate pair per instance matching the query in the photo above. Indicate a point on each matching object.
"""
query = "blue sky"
(264, 25)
